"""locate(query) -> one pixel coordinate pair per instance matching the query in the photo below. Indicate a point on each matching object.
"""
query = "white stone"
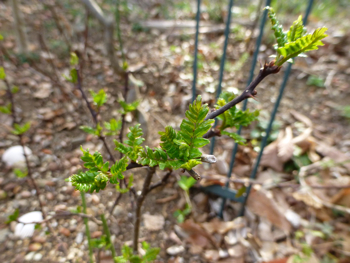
(37, 257)
(27, 230)
(14, 156)
(174, 250)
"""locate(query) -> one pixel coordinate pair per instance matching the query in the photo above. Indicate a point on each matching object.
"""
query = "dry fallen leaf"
(262, 204)
(286, 146)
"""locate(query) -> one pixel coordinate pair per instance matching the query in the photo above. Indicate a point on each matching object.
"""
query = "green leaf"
(297, 30)
(151, 254)
(128, 107)
(13, 217)
(105, 167)
(1, 37)
(127, 251)
(85, 181)
(186, 182)
(113, 126)
(99, 98)
(237, 138)
(134, 140)
(2, 73)
(306, 43)
(117, 170)
(122, 148)
(280, 36)
(19, 173)
(191, 164)
(195, 127)
(6, 109)
(88, 129)
(14, 89)
(74, 60)
(20, 129)
(73, 75)
(241, 191)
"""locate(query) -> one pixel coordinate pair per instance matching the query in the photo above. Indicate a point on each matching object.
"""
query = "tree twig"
(139, 202)
(249, 92)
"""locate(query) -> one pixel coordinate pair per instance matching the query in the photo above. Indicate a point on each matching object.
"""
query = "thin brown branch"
(115, 203)
(161, 182)
(139, 202)
(249, 92)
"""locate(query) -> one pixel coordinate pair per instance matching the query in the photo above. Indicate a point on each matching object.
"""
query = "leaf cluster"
(99, 172)
(234, 117)
(128, 256)
(296, 41)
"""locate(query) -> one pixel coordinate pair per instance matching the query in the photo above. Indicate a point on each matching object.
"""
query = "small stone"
(93, 226)
(50, 196)
(75, 161)
(26, 194)
(96, 234)
(65, 232)
(35, 247)
(9, 187)
(60, 207)
(3, 234)
(29, 256)
(118, 210)
(95, 199)
(70, 190)
(174, 250)
(3, 195)
(79, 238)
(153, 222)
(37, 257)
(39, 239)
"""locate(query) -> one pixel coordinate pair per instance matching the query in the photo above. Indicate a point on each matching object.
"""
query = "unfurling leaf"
(74, 60)
(306, 43)
(99, 98)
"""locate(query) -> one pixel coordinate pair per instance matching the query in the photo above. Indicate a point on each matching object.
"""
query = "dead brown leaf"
(262, 204)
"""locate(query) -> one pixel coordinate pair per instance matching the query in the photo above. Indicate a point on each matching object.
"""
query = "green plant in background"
(345, 111)
(128, 256)
(185, 184)
(315, 81)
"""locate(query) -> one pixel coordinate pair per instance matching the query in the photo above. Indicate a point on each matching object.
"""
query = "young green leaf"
(19, 173)
(306, 43)
(117, 170)
(88, 129)
(6, 109)
(186, 182)
(297, 30)
(2, 73)
(99, 98)
(280, 36)
(74, 60)
(128, 107)
(20, 129)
